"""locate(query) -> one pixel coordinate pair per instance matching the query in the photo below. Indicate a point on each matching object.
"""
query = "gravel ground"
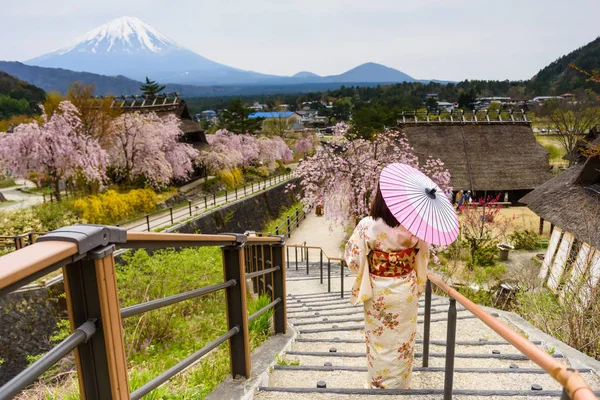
(330, 396)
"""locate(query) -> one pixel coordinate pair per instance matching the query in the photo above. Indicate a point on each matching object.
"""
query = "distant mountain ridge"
(59, 80)
(130, 48)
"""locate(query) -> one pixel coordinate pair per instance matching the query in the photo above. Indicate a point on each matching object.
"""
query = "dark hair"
(380, 210)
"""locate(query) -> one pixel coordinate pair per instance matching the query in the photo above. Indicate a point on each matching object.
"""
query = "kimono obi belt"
(392, 265)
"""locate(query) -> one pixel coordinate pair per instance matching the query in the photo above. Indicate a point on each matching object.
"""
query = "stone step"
(337, 359)
(313, 317)
(307, 326)
(484, 380)
(360, 347)
(360, 311)
(337, 394)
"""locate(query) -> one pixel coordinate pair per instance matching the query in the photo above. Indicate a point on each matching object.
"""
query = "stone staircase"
(327, 358)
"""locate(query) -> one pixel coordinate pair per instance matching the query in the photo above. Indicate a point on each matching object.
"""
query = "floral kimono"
(391, 265)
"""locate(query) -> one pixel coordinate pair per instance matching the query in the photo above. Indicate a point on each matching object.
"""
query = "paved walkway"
(317, 231)
(20, 199)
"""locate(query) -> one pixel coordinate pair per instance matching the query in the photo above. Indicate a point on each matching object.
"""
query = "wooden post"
(541, 226)
(237, 310)
(279, 290)
(91, 294)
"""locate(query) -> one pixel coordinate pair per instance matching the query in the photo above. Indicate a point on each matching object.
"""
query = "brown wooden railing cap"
(265, 239)
(177, 237)
(31, 259)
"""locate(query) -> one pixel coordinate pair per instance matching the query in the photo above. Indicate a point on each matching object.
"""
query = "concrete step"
(337, 394)
(483, 380)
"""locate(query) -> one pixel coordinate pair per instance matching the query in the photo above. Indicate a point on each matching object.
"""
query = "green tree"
(368, 121)
(431, 104)
(466, 99)
(151, 88)
(235, 119)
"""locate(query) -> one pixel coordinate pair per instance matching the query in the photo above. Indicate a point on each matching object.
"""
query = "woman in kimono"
(391, 265)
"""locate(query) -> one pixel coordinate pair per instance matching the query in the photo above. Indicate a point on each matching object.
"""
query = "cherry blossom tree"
(304, 145)
(228, 151)
(343, 177)
(54, 150)
(148, 146)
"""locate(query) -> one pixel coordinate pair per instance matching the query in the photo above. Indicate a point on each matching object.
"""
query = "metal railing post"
(289, 228)
(427, 324)
(306, 260)
(148, 222)
(237, 311)
(287, 254)
(171, 212)
(342, 279)
(236, 196)
(91, 293)
(225, 195)
(205, 203)
(296, 249)
(190, 207)
(450, 347)
(328, 275)
(279, 292)
(214, 199)
(244, 188)
(321, 265)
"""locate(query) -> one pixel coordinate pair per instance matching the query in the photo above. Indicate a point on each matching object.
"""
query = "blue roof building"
(272, 114)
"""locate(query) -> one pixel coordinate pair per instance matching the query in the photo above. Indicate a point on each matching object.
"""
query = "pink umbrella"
(419, 204)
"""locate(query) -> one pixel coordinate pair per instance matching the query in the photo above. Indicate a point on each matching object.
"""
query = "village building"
(571, 203)
(488, 157)
(292, 119)
(164, 105)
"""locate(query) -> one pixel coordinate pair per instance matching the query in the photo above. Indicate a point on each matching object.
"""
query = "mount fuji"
(128, 46)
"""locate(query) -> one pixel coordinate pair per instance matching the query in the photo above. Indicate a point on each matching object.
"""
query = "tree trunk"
(57, 189)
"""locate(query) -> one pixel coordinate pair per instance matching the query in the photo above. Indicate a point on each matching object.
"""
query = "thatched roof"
(571, 202)
(498, 157)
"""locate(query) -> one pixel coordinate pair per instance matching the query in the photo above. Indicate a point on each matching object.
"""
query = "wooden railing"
(85, 253)
(573, 383)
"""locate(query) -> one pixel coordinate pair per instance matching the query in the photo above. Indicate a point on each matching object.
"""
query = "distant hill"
(305, 74)
(18, 97)
(370, 72)
(59, 80)
(558, 77)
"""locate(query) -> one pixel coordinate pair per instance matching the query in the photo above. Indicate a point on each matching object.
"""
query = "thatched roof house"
(497, 158)
(571, 200)
(163, 105)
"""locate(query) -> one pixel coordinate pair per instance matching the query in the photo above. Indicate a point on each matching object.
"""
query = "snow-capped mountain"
(128, 46)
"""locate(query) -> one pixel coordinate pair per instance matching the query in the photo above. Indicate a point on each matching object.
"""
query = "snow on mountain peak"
(127, 34)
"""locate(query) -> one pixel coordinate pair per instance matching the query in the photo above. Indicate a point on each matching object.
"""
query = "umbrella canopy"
(419, 204)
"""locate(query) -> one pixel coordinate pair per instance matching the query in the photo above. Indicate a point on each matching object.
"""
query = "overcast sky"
(443, 39)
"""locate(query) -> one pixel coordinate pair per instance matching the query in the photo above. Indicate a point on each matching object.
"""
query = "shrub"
(484, 254)
(524, 240)
(212, 185)
(43, 218)
(6, 181)
(238, 176)
(227, 178)
(261, 171)
(112, 207)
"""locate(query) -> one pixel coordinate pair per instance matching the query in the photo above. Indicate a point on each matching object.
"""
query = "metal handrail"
(189, 204)
(573, 383)
(329, 260)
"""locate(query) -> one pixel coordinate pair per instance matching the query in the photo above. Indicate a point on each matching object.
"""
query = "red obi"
(392, 265)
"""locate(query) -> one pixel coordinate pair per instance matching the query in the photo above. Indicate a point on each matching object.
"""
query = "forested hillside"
(558, 77)
(18, 97)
